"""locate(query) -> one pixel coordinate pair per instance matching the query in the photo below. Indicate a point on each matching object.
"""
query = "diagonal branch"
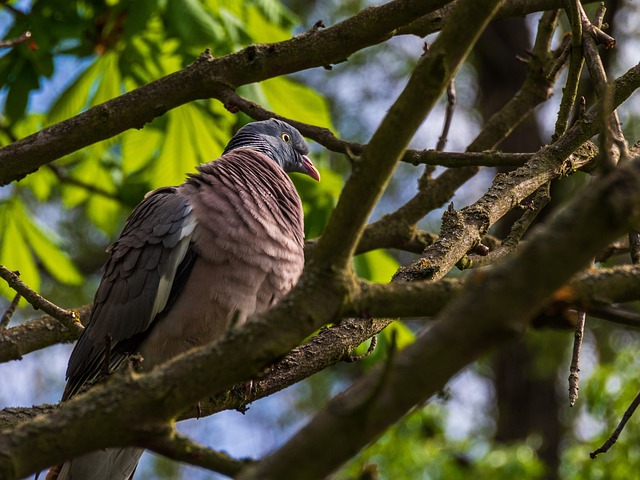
(68, 318)
(374, 168)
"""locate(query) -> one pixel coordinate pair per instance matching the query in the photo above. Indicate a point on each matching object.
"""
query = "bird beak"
(310, 169)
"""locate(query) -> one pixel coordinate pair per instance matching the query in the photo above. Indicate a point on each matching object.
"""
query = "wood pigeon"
(191, 259)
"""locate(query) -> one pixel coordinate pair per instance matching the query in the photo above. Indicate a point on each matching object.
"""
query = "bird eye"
(285, 137)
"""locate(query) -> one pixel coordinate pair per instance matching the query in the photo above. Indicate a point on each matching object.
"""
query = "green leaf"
(189, 141)
(139, 147)
(76, 97)
(18, 95)
(41, 183)
(23, 241)
(138, 14)
(105, 213)
(56, 262)
(296, 101)
(318, 199)
(109, 86)
(275, 12)
(266, 30)
(376, 266)
(189, 21)
(14, 251)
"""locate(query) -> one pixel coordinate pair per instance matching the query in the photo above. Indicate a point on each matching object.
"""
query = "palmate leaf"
(45, 246)
(24, 243)
(139, 147)
(110, 84)
(41, 183)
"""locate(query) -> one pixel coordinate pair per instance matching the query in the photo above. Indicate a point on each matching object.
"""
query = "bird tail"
(109, 464)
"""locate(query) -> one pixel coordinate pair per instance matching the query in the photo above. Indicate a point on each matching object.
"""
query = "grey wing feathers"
(138, 283)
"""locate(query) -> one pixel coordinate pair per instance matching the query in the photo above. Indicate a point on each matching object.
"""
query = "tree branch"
(205, 78)
(374, 168)
(590, 290)
(462, 230)
(36, 334)
(68, 318)
(181, 448)
(497, 307)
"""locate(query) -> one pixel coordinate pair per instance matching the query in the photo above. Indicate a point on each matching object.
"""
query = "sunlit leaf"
(296, 101)
(57, 264)
(104, 213)
(23, 241)
(274, 11)
(76, 97)
(189, 141)
(376, 266)
(262, 30)
(14, 251)
(110, 83)
(189, 21)
(138, 148)
(41, 183)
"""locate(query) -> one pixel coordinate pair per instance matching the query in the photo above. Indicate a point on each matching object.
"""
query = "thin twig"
(598, 19)
(602, 89)
(561, 60)
(356, 358)
(616, 433)
(69, 318)
(327, 139)
(181, 448)
(451, 106)
(15, 41)
(541, 199)
(616, 315)
(634, 246)
(574, 371)
(601, 37)
(576, 63)
(8, 313)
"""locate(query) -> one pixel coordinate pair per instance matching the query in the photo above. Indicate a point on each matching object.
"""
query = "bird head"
(279, 141)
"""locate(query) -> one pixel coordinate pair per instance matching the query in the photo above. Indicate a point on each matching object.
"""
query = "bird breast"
(249, 255)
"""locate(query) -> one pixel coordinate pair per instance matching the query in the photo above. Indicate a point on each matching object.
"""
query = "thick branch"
(36, 334)
(68, 318)
(591, 290)
(374, 168)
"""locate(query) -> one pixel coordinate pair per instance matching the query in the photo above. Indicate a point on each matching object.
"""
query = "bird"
(193, 260)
